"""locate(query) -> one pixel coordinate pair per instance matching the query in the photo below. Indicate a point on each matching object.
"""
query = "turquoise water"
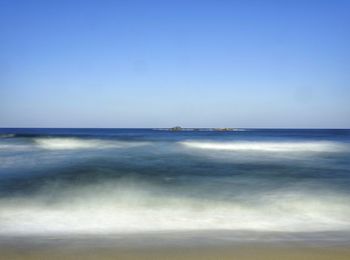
(124, 181)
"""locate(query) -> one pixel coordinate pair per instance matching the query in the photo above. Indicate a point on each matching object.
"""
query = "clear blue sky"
(172, 62)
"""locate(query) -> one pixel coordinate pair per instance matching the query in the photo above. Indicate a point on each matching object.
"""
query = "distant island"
(179, 128)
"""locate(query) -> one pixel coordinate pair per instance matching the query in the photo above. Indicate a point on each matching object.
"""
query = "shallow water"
(126, 181)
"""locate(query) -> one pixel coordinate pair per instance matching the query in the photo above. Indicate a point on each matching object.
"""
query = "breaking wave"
(79, 143)
(124, 208)
(260, 146)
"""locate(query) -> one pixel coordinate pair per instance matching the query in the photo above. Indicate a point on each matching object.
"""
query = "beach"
(172, 254)
(159, 194)
(249, 251)
(180, 129)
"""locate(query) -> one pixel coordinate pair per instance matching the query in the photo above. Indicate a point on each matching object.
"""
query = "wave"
(69, 143)
(7, 135)
(132, 208)
(320, 146)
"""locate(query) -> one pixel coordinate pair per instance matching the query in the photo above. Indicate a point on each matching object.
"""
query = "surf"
(260, 146)
(131, 207)
(70, 143)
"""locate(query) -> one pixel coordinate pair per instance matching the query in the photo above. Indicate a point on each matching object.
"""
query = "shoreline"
(179, 245)
(244, 252)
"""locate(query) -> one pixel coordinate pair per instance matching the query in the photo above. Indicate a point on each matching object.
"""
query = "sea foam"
(56, 143)
(265, 146)
(114, 209)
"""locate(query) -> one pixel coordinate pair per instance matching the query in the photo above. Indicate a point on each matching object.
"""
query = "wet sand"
(180, 245)
(235, 252)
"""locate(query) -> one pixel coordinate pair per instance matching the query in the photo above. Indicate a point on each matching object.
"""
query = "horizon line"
(286, 128)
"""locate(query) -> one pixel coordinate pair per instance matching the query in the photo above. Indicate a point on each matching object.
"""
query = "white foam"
(265, 146)
(131, 209)
(76, 143)
(5, 146)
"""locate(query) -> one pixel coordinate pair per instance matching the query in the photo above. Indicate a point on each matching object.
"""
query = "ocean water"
(132, 181)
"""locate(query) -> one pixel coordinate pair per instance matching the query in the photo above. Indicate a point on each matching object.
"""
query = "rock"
(176, 128)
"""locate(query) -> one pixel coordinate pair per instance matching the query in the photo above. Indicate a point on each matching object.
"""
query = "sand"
(179, 245)
(235, 252)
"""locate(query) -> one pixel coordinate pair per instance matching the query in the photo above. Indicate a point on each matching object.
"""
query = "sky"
(135, 63)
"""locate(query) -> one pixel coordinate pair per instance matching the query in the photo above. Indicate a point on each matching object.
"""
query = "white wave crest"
(320, 146)
(76, 143)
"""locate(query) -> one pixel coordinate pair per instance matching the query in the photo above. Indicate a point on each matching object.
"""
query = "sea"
(244, 183)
